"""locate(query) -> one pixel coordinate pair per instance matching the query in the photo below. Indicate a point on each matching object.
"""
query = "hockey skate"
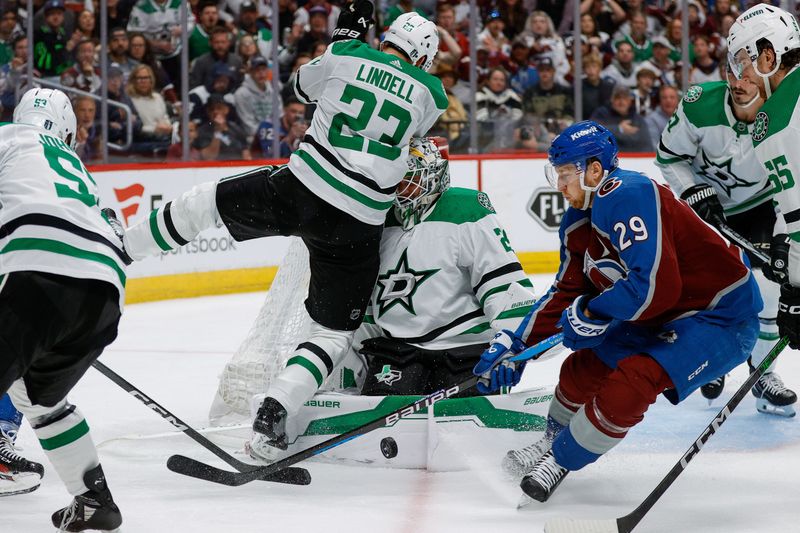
(93, 510)
(713, 389)
(270, 422)
(517, 463)
(545, 477)
(773, 397)
(17, 474)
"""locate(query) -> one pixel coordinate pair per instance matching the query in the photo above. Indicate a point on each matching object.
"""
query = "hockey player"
(17, 474)
(764, 48)
(651, 299)
(706, 156)
(62, 281)
(448, 278)
(334, 193)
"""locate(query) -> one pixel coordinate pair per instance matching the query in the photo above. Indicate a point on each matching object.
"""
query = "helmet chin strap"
(766, 77)
(587, 198)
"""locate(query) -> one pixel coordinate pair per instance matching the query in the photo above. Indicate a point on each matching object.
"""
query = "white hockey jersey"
(445, 282)
(776, 138)
(705, 143)
(49, 215)
(369, 104)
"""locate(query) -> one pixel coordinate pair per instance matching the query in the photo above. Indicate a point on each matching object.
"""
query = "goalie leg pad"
(312, 362)
(64, 436)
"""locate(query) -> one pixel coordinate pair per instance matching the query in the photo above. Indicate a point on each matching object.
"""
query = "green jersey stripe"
(519, 312)
(308, 365)
(154, 229)
(341, 187)
(65, 438)
(47, 245)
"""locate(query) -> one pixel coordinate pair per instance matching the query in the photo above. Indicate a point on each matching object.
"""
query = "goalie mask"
(427, 177)
(50, 110)
(760, 27)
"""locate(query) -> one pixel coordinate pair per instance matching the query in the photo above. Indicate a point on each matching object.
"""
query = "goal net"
(280, 326)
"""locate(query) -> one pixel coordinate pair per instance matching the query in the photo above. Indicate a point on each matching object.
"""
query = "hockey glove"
(778, 268)
(110, 216)
(789, 315)
(581, 331)
(354, 21)
(494, 368)
(703, 199)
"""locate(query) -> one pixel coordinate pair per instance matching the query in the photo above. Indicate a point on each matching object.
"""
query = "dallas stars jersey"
(445, 282)
(369, 104)
(776, 137)
(705, 143)
(50, 220)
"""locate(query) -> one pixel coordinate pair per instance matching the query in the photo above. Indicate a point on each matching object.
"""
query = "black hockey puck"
(388, 447)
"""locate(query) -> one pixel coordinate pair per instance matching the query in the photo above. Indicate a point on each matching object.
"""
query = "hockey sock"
(768, 330)
(10, 417)
(175, 224)
(309, 366)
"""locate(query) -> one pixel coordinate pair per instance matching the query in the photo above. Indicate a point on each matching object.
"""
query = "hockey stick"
(744, 244)
(626, 524)
(191, 467)
(292, 476)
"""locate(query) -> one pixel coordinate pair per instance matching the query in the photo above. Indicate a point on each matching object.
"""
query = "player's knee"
(581, 375)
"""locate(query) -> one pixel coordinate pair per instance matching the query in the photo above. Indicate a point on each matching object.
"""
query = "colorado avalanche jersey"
(369, 104)
(776, 138)
(447, 281)
(49, 215)
(704, 143)
(645, 257)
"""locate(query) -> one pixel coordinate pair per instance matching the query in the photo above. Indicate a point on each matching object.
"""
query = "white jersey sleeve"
(676, 150)
(309, 81)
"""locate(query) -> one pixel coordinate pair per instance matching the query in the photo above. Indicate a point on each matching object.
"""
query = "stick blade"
(570, 525)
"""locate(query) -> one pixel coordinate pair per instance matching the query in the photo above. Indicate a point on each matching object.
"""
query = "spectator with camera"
(292, 128)
(254, 97)
(220, 137)
(203, 67)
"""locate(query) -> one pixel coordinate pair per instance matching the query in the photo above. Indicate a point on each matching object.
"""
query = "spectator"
(722, 9)
(175, 150)
(220, 82)
(288, 88)
(84, 74)
(660, 63)
(622, 70)
(402, 6)
(293, 127)
(11, 75)
(454, 119)
(220, 138)
(140, 52)
(698, 22)
(150, 107)
(608, 14)
(514, 17)
(160, 22)
(523, 74)
(86, 26)
(252, 26)
(721, 50)
(499, 110)
(653, 17)
(220, 53)
(302, 16)
(50, 53)
(117, 12)
(548, 100)
(621, 118)
(493, 39)
(87, 135)
(542, 39)
(117, 116)
(8, 30)
(317, 30)
(485, 62)
(673, 34)
(596, 89)
(246, 48)
(446, 21)
(637, 38)
(598, 40)
(207, 20)
(450, 50)
(118, 49)
(667, 104)
(706, 67)
(254, 97)
(645, 95)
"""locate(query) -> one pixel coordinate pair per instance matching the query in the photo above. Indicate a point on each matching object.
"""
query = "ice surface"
(744, 481)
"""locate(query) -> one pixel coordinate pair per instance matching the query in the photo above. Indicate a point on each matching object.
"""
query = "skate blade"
(763, 406)
(524, 501)
(19, 484)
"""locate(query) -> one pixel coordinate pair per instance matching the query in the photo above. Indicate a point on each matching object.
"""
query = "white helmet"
(50, 110)
(427, 178)
(762, 21)
(415, 36)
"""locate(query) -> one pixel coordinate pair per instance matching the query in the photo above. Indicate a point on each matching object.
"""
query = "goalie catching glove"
(581, 331)
(354, 21)
(494, 368)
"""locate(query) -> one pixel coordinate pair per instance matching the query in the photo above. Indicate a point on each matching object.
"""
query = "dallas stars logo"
(722, 174)
(760, 126)
(398, 285)
(693, 94)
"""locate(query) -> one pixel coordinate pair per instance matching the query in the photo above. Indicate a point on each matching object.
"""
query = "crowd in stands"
(631, 64)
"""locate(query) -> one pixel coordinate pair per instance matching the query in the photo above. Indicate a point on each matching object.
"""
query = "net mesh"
(280, 326)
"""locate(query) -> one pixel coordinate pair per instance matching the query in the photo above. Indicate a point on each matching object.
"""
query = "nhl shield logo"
(693, 94)
(760, 126)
